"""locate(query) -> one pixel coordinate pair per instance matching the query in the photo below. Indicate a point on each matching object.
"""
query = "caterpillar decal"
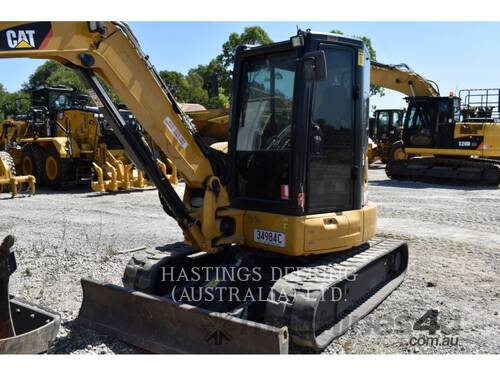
(26, 36)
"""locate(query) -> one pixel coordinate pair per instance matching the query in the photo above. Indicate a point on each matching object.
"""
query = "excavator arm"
(110, 51)
(401, 78)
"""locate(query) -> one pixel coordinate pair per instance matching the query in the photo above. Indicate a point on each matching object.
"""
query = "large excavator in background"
(449, 139)
(446, 140)
(279, 226)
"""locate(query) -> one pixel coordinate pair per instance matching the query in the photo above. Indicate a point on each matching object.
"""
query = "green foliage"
(176, 82)
(253, 35)
(250, 35)
(190, 88)
(8, 106)
(374, 90)
(40, 76)
(51, 73)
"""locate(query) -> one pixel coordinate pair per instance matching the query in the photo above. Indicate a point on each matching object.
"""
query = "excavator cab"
(386, 125)
(297, 136)
(430, 121)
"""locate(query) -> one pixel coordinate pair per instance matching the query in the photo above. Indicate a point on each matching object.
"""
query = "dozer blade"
(160, 325)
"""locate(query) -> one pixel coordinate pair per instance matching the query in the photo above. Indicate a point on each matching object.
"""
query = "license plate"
(269, 237)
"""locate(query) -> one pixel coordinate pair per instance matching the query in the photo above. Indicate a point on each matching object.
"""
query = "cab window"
(263, 142)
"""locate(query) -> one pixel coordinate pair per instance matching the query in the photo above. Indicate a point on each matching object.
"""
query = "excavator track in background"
(470, 171)
(314, 303)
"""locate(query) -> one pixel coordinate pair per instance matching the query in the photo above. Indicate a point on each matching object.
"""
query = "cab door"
(331, 184)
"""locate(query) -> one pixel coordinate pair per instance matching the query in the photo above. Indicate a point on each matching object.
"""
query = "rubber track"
(316, 280)
(443, 162)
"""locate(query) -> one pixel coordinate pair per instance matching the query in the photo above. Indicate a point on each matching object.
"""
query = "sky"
(455, 55)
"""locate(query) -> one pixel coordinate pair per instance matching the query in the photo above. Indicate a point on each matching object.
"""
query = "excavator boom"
(401, 78)
(110, 51)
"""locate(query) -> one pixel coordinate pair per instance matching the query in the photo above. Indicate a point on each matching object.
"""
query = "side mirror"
(315, 66)
(212, 85)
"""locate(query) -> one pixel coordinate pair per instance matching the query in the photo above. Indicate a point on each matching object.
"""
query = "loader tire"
(32, 162)
(59, 172)
(9, 161)
(397, 152)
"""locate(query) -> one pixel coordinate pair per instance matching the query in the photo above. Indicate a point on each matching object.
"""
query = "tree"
(8, 105)
(3, 101)
(191, 88)
(254, 35)
(374, 90)
(52, 73)
(250, 35)
(176, 82)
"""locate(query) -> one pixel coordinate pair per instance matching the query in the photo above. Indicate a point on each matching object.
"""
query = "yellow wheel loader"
(280, 241)
(9, 180)
(63, 142)
(385, 129)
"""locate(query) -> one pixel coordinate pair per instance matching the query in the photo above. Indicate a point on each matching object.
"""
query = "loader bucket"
(161, 325)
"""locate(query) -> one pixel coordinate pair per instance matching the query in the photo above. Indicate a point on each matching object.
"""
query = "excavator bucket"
(161, 325)
(25, 328)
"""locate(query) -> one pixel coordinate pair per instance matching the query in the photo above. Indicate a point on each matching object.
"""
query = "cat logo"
(20, 38)
(33, 35)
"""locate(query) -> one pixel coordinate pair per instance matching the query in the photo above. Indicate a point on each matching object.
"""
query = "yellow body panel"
(313, 234)
(489, 147)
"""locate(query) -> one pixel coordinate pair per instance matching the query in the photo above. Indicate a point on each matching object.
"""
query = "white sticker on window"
(175, 132)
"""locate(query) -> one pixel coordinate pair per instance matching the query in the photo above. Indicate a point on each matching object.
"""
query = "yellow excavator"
(280, 239)
(446, 139)
(445, 142)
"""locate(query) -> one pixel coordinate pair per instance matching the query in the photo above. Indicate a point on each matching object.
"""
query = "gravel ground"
(452, 233)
